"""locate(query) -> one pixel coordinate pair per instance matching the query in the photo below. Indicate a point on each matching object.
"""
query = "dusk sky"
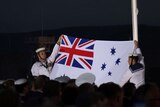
(31, 15)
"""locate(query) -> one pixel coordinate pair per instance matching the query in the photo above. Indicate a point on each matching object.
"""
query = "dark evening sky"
(32, 15)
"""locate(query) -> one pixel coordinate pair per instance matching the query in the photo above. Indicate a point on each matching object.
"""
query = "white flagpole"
(134, 19)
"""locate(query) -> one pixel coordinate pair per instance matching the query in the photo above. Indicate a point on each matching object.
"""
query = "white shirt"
(39, 68)
(54, 53)
(137, 77)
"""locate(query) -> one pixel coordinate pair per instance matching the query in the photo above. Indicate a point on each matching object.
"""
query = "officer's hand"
(50, 64)
(59, 40)
(136, 44)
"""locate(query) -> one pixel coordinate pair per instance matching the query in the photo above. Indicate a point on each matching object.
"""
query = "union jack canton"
(76, 52)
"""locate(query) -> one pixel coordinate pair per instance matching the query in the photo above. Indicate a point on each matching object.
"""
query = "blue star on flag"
(103, 66)
(118, 61)
(109, 73)
(113, 51)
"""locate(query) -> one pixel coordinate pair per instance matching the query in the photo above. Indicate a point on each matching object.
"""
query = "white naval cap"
(8, 82)
(40, 49)
(1, 81)
(20, 81)
(62, 79)
(85, 78)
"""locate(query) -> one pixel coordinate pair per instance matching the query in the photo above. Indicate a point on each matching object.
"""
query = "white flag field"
(107, 60)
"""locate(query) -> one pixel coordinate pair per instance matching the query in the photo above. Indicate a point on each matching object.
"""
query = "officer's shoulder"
(37, 63)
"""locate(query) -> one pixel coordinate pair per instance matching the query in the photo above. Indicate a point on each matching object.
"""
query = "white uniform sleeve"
(141, 58)
(138, 78)
(34, 69)
(54, 53)
(127, 75)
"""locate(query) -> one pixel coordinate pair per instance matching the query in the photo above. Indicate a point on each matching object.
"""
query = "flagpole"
(134, 19)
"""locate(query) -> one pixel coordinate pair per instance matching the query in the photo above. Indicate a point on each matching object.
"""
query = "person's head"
(112, 93)
(86, 87)
(129, 89)
(89, 99)
(41, 54)
(148, 94)
(22, 86)
(9, 98)
(69, 95)
(39, 82)
(85, 78)
(9, 83)
(133, 59)
(52, 91)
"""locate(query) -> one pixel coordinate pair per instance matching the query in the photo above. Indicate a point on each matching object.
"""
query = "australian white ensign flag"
(107, 60)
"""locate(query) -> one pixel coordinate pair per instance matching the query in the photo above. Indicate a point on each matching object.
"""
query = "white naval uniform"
(40, 68)
(135, 75)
